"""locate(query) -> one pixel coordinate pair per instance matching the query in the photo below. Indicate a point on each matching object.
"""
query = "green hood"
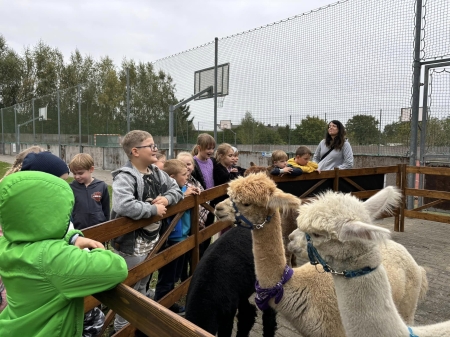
(34, 206)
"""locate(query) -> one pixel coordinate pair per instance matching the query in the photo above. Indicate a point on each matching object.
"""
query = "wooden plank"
(364, 194)
(336, 180)
(351, 182)
(433, 203)
(441, 171)
(313, 188)
(428, 193)
(427, 216)
(151, 318)
(367, 171)
(403, 207)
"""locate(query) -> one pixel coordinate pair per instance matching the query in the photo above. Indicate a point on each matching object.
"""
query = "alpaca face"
(340, 225)
(224, 210)
(255, 196)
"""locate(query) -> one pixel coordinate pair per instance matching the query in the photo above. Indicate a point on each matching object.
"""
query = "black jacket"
(91, 204)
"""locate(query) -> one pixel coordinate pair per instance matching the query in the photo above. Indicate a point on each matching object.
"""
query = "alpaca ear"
(285, 201)
(385, 200)
(355, 230)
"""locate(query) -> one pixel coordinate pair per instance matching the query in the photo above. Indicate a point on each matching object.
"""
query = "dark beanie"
(44, 162)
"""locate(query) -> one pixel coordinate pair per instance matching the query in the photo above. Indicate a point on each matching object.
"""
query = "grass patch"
(3, 168)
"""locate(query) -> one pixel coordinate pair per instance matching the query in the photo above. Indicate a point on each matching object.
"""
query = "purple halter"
(263, 295)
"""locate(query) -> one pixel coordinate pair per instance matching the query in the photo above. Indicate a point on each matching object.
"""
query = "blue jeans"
(168, 275)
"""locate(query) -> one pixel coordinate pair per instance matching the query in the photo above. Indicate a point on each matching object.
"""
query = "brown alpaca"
(309, 300)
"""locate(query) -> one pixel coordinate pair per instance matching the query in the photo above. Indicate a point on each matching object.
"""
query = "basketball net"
(220, 101)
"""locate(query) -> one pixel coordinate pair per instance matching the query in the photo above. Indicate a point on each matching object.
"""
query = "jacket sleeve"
(173, 193)
(275, 171)
(86, 274)
(296, 172)
(221, 174)
(105, 202)
(124, 201)
(347, 153)
(316, 157)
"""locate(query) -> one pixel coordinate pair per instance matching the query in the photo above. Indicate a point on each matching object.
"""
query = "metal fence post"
(59, 123)
(34, 130)
(216, 56)
(3, 133)
(15, 125)
(171, 140)
(79, 118)
(128, 100)
(415, 98)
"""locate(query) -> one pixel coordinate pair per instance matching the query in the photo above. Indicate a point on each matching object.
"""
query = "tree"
(311, 130)
(362, 130)
(397, 133)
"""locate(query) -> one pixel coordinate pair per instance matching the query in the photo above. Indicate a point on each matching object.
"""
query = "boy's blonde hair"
(132, 139)
(186, 154)
(160, 155)
(222, 151)
(204, 141)
(278, 155)
(17, 165)
(174, 166)
(302, 150)
(81, 161)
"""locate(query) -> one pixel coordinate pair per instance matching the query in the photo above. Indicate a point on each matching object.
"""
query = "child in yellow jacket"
(302, 160)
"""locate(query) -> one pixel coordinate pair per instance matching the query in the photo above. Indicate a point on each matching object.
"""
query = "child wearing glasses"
(140, 190)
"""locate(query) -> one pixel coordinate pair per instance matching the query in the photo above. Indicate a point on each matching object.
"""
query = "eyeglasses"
(153, 147)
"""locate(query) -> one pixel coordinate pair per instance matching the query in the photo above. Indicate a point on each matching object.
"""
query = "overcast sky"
(143, 30)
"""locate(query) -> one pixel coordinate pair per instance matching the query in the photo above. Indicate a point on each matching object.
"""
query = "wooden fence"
(154, 319)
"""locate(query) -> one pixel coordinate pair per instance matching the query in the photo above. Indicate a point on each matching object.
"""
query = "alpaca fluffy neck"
(366, 306)
(268, 252)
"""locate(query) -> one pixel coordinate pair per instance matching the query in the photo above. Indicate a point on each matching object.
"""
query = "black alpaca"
(221, 285)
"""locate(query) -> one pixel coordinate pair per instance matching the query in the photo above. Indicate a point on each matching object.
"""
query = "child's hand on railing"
(191, 190)
(82, 243)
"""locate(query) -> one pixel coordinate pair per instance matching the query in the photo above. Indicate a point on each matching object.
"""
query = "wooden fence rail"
(154, 319)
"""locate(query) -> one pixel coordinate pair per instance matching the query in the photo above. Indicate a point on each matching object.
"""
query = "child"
(140, 190)
(241, 170)
(91, 195)
(194, 187)
(45, 276)
(223, 167)
(169, 274)
(302, 160)
(16, 166)
(161, 160)
(279, 165)
(203, 172)
(202, 152)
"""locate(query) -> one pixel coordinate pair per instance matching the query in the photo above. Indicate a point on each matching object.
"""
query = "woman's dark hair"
(338, 142)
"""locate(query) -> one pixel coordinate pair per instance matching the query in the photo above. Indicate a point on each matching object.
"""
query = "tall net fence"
(289, 78)
(350, 61)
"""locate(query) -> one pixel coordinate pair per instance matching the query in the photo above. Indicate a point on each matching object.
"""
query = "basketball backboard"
(205, 78)
(225, 124)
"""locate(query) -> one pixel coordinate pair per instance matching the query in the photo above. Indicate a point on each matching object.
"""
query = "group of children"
(145, 186)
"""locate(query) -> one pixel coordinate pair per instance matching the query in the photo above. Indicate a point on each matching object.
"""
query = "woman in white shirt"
(334, 150)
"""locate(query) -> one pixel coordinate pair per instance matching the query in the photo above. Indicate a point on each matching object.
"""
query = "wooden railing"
(153, 318)
(441, 196)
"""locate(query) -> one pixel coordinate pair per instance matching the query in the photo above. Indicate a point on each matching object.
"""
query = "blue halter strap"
(411, 333)
(315, 259)
(242, 221)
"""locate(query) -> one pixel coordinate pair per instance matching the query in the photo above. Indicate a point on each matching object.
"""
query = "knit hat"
(45, 162)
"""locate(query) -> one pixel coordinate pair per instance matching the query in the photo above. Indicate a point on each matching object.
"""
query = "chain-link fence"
(350, 61)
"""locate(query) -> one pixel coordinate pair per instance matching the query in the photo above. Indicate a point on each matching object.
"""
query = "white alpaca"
(342, 236)
(309, 300)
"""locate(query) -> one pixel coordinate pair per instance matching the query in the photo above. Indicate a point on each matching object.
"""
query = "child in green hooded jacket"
(45, 292)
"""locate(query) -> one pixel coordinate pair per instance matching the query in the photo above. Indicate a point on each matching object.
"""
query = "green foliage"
(363, 130)
(41, 71)
(397, 133)
(251, 131)
(311, 130)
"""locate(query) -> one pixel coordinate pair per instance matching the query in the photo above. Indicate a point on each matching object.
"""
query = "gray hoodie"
(128, 187)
